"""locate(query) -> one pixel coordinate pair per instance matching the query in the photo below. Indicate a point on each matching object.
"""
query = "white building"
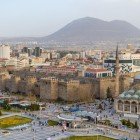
(5, 51)
(128, 62)
(83, 54)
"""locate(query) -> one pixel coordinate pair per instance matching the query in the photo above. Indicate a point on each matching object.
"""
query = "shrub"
(6, 105)
(0, 113)
(34, 107)
(128, 123)
(136, 125)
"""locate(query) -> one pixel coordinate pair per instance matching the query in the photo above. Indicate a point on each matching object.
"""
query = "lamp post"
(34, 135)
(40, 110)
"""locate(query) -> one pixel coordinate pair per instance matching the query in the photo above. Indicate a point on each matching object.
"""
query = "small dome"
(137, 77)
(122, 95)
(136, 96)
(131, 91)
(138, 92)
(128, 96)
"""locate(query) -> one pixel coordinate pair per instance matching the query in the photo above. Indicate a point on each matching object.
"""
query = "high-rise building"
(27, 50)
(5, 51)
(37, 51)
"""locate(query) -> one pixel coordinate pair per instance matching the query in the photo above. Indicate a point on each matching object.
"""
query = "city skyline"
(43, 17)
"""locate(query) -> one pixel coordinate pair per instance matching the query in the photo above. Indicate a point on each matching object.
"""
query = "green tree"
(136, 125)
(34, 107)
(0, 113)
(100, 107)
(6, 105)
(108, 93)
(128, 123)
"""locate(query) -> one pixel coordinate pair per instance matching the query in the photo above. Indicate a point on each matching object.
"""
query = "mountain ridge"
(89, 29)
(93, 29)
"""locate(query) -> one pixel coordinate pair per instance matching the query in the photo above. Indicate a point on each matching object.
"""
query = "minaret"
(117, 74)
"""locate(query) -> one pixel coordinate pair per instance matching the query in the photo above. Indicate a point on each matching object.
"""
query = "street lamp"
(40, 110)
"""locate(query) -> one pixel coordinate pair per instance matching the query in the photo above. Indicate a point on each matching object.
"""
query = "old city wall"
(14, 83)
(104, 83)
(54, 89)
(86, 92)
(43, 85)
(72, 90)
(3, 78)
(30, 81)
(49, 89)
(125, 83)
(96, 89)
(62, 91)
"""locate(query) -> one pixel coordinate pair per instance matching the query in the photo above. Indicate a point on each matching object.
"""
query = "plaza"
(80, 119)
(42, 131)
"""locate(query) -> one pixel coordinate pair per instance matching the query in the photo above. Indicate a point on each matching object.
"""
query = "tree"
(123, 122)
(136, 125)
(34, 107)
(128, 123)
(6, 105)
(108, 93)
(0, 113)
(100, 107)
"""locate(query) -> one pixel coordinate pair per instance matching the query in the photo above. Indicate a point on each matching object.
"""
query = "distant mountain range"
(92, 29)
(88, 30)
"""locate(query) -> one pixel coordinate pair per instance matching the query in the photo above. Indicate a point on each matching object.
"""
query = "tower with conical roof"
(117, 74)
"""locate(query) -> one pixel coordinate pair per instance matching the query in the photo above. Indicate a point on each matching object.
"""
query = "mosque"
(128, 102)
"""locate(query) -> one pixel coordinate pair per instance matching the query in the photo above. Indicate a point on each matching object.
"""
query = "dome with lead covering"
(137, 77)
(130, 94)
(135, 96)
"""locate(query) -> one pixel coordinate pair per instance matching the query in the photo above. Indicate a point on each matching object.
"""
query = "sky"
(33, 18)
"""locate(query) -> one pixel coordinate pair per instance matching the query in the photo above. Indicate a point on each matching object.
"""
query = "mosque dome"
(138, 92)
(131, 91)
(128, 96)
(137, 77)
(122, 95)
(135, 96)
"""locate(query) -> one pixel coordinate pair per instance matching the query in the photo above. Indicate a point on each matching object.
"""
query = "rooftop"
(96, 70)
(130, 94)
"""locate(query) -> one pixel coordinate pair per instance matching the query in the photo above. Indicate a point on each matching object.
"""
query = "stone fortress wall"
(52, 88)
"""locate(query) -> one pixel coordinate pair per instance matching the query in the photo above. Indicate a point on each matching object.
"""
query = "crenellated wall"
(71, 90)
(52, 88)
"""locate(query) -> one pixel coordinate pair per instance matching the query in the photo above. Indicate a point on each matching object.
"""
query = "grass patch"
(88, 138)
(13, 121)
(52, 123)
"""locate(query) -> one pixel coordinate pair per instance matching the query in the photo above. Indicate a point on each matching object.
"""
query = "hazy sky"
(43, 17)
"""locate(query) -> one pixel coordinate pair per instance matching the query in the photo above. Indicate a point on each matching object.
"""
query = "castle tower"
(14, 83)
(30, 81)
(117, 74)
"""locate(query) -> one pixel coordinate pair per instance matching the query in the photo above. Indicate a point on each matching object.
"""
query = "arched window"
(139, 107)
(120, 105)
(134, 107)
(127, 106)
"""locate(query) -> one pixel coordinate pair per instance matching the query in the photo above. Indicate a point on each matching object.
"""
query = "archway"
(139, 107)
(127, 106)
(120, 105)
(134, 107)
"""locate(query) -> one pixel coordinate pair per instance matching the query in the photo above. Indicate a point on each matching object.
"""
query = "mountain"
(86, 30)
(91, 29)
